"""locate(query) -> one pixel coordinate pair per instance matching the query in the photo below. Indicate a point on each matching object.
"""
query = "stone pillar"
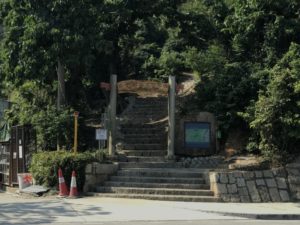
(112, 115)
(171, 111)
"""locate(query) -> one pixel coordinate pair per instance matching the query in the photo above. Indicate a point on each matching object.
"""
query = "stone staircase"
(144, 171)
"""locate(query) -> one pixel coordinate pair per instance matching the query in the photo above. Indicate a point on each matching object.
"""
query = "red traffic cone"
(63, 190)
(73, 188)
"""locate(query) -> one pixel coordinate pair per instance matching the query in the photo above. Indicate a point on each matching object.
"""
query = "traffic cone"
(63, 190)
(73, 188)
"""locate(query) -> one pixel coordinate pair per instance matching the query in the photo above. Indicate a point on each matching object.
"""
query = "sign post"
(76, 114)
(101, 136)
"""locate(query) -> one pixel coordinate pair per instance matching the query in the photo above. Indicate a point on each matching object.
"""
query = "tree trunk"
(61, 92)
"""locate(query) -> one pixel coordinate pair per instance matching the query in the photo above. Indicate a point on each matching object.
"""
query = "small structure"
(196, 135)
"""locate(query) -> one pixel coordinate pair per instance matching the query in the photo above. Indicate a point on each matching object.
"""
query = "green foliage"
(240, 49)
(275, 117)
(32, 104)
(44, 167)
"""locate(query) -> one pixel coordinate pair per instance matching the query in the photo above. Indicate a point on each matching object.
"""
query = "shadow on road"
(44, 212)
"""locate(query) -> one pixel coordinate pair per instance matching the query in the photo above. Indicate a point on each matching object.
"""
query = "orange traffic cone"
(73, 188)
(63, 190)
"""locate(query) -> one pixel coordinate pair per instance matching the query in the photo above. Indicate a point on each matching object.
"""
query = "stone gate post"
(171, 111)
(112, 115)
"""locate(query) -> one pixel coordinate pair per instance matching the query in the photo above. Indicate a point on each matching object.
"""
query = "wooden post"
(112, 115)
(171, 111)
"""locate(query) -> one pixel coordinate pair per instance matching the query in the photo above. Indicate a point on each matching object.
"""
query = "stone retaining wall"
(201, 162)
(293, 170)
(97, 173)
(251, 186)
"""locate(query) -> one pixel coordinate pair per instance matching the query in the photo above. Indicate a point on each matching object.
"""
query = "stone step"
(154, 191)
(143, 131)
(139, 165)
(156, 185)
(159, 197)
(155, 125)
(149, 153)
(149, 140)
(170, 173)
(144, 147)
(145, 159)
(174, 180)
(153, 108)
(147, 136)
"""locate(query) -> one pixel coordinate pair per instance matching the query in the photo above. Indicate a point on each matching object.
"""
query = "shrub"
(44, 166)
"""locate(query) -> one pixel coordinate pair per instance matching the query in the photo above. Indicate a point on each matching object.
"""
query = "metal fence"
(15, 155)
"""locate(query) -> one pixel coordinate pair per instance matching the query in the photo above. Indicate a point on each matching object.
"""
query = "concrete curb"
(257, 216)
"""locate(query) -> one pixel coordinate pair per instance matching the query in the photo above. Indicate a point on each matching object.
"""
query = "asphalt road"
(180, 222)
(92, 210)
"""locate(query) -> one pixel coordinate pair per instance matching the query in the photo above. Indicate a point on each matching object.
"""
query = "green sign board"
(197, 135)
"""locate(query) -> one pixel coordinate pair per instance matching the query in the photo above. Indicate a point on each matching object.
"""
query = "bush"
(44, 166)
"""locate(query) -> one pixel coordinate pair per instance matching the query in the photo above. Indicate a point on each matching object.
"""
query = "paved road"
(93, 210)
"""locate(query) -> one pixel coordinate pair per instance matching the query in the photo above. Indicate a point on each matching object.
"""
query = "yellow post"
(76, 114)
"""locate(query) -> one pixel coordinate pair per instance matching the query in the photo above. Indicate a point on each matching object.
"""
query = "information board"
(197, 135)
(101, 134)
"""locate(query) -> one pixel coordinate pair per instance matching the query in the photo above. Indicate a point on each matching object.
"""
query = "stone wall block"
(249, 175)
(258, 174)
(235, 198)
(260, 182)
(268, 174)
(240, 182)
(238, 174)
(231, 178)
(245, 198)
(284, 195)
(226, 198)
(281, 183)
(243, 191)
(274, 194)
(232, 188)
(253, 192)
(264, 194)
(221, 189)
(293, 172)
(223, 178)
(271, 183)
(280, 172)
(88, 168)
